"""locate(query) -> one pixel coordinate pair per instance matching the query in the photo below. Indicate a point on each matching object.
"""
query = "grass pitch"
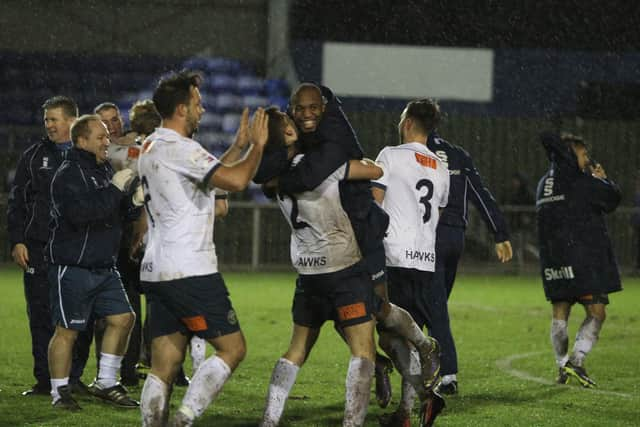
(501, 325)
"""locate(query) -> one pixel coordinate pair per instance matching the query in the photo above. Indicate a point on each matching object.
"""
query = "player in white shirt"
(413, 189)
(332, 283)
(179, 271)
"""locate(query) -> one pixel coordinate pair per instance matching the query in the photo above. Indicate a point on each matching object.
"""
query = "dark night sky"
(556, 24)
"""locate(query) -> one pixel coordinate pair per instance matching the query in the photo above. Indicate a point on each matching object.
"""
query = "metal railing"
(255, 236)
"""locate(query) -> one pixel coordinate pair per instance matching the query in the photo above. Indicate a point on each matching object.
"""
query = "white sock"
(205, 385)
(198, 352)
(586, 338)
(406, 359)
(408, 397)
(108, 372)
(55, 383)
(400, 321)
(560, 341)
(154, 402)
(358, 392)
(282, 379)
(448, 379)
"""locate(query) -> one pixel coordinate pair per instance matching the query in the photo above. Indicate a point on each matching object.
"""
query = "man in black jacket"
(28, 228)
(465, 186)
(327, 140)
(88, 203)
(577, 263)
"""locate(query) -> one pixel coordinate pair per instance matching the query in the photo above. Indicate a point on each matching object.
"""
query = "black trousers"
(449, 247)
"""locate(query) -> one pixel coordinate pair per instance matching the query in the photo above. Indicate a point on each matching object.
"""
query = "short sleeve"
(385, 160)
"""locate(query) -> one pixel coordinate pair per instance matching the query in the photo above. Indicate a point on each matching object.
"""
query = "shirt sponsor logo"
(316, 261)
(147, 267)
(419, 255)
(133, 152)
(77, 322)
(454, 171)
(564, 272)
(426, 161)
(557, 198)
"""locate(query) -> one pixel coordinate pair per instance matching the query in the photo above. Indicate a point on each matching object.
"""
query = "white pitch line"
(505, 366)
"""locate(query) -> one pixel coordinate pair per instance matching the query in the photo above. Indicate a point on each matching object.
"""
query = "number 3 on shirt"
(426, 198)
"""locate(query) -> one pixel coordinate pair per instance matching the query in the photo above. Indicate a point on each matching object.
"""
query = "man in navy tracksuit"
(28, 228)
(88, 204)
(577, 263)
(465, 185)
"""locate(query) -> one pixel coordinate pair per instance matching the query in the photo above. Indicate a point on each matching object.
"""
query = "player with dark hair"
(328, 141)
(332, 282)
(577, 263)
(466, 186)
(179, 270)
(413, 190)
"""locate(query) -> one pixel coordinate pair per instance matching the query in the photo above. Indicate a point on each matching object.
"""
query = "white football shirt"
(416, 184)
(175, 171)
(124, 156)
(322, 239)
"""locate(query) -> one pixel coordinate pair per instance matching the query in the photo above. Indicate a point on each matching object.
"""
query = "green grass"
(493, 317)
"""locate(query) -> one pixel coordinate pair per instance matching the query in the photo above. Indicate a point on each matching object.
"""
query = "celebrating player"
(576, 256)
(415, 185)
(179, 271)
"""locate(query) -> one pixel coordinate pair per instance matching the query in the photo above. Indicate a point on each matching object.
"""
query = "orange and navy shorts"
(345, 296)
(197, 305)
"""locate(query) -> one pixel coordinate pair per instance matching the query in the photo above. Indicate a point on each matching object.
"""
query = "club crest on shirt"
(45, 163)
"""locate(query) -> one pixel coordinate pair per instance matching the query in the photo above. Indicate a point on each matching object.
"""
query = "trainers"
(395, 419)
(383, 368)
(142, 370)
(449, 388)
(66, 401)
(579, 373)
(132, 381)
(38, 389)
(79, 388)
(430, 362)
(563, 376)
(181, 379)
(116, 395)
(430, 409)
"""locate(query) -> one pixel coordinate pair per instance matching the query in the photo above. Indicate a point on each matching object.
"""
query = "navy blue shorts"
(197, 305)
(345, 296)
(409, 288)
(77, 293)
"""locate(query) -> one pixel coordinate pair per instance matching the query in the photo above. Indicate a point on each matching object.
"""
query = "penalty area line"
(505, 366)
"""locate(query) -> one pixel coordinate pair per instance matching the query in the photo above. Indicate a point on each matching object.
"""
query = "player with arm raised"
(577, 262)
(179, 271)
(332, 282)
(328, 141)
